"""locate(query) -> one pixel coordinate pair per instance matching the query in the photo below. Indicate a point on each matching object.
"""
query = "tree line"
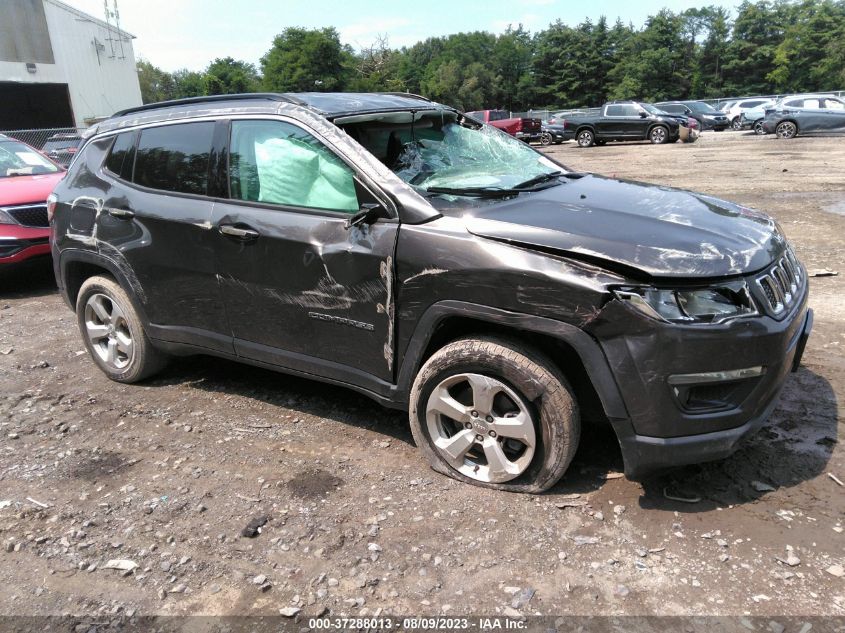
(767, 47)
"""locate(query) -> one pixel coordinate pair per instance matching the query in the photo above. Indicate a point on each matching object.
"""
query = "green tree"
(230, 76)
(188, 83)
(305, 60)
(156, 84)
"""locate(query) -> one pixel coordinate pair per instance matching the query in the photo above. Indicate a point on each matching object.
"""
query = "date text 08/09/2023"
(494, 623)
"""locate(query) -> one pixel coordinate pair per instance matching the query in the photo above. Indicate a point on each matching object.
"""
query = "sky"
(174, 34)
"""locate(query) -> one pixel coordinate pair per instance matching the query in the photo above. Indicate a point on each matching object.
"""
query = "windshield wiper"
(539, 179)
(478, 192)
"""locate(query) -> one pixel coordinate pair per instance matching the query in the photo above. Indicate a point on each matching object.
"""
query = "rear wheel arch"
(78, 266)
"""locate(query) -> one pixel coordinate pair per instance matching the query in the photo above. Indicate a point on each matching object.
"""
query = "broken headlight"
(703, 305)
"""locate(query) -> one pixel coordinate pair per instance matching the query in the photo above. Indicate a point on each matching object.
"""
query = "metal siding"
(23, 32)
(97, 87)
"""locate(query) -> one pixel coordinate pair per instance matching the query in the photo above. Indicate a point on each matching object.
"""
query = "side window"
(175, 157)
(794, 103)
(614, 110)
(834, 104)
(122, 155)
(812, 104)
(279, 163)
(751, 104)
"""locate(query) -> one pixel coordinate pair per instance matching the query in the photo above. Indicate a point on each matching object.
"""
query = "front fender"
(584, 345)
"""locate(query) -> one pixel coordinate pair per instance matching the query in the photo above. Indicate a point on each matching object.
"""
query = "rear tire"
(494, 413)
(786, 130)
(112, 332)
(736, 124)
(585, 138)
(758, 128)
(545, 138)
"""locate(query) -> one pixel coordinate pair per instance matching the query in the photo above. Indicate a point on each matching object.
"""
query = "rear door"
(302, 289)
(155, 221)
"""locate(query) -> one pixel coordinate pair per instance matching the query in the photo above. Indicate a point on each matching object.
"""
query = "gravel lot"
(167, 474)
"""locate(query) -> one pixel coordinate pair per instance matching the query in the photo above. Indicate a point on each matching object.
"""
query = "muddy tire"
(585, 138)
(658, 135)
(495, 413)
(113, 334)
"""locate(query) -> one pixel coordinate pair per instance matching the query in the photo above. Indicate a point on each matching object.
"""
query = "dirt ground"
(166, 474)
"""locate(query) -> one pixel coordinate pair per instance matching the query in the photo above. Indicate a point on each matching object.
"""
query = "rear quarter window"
(175, 157)
(122, 155)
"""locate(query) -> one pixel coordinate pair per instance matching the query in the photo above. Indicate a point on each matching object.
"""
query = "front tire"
(493, 413)
(658, 135)
(736, 124)
(586, 138)
(112, 332)
(786, 129)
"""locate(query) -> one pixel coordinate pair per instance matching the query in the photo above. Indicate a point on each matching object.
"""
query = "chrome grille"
(34, 215)
(781, 283)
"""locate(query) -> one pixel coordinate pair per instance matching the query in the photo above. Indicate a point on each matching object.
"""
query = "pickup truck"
(623, 121)
(522, 128)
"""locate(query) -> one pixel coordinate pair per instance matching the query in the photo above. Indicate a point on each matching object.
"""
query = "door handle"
(125, 214)
(238, 232)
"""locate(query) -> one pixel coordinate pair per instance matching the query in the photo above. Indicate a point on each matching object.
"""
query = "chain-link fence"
(58, 143)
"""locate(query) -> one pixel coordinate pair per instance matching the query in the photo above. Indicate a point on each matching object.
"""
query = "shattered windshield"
(440, 153)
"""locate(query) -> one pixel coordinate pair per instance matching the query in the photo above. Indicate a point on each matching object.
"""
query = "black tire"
(736, 124)
(142, 359)
(545, 138)
(758, 128)
(786, 130)
(539, 385)
(585, 138)
(658, 135)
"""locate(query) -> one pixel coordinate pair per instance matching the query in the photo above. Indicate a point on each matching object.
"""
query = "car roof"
(328, 104)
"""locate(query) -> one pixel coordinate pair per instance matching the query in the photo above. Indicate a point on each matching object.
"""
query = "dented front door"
(308, 286)
(301, 289)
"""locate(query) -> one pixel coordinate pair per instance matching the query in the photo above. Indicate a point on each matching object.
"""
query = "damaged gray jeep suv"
(397, 247)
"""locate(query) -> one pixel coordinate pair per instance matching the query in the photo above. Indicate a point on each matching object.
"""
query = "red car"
(27, 177)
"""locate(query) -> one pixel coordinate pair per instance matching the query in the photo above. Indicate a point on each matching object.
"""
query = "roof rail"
(410, 95)
(268, 96)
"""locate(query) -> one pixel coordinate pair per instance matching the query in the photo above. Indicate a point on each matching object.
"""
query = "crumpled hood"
(652, 230)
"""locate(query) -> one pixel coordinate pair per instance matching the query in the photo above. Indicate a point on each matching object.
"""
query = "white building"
(60, 67)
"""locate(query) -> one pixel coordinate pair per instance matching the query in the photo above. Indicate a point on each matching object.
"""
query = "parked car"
(810, 101)
(805, 115)
(395, 246)
(62, 147)
(734, 113)
(622, 121)
(707, 116)
(26, 179)
(753, 118)
(523, 128)
(552, 133)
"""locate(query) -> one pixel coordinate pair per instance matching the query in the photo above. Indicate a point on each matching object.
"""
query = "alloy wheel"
(658, 135)
(585, 138)
(108, 331)
(545, 138)
(787, 129)
(481, 427)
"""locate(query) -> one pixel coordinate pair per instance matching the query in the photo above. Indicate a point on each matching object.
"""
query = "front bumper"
(661, 431)
(19, 243)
